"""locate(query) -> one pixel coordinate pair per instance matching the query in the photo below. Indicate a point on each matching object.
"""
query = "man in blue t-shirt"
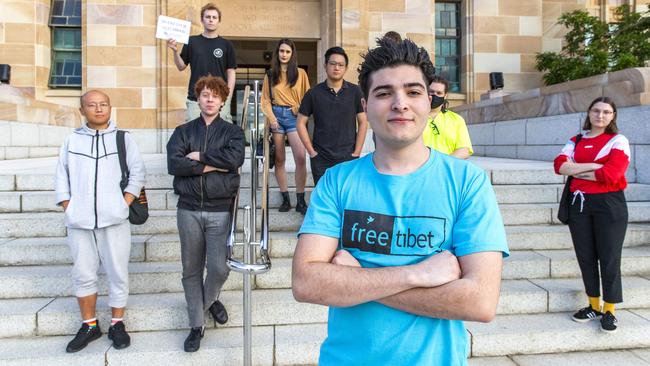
(402, 244)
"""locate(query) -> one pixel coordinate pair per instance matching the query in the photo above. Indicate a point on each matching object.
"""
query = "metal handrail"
(249, 266)
(250, 216)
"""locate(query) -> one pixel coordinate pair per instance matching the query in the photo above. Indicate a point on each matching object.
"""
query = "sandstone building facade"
(111, 45)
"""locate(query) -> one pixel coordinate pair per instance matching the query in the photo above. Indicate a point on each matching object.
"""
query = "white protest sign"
(176, 29)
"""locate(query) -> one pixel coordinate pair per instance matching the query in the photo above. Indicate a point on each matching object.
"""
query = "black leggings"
(598, 233)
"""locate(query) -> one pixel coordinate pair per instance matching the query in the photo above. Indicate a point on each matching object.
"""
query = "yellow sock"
(608, 307)
(595, 303)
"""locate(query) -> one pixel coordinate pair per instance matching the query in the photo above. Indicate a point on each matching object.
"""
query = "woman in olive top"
(289, 84)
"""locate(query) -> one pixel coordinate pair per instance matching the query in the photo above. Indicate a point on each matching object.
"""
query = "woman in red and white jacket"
(598, 211)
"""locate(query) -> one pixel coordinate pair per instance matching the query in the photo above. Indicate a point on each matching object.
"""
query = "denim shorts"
(286, 119)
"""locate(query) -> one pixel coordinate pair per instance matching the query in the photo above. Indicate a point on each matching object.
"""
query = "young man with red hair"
(204, 156)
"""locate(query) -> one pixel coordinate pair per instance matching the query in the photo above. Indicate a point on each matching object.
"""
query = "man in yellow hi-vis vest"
(446, 131)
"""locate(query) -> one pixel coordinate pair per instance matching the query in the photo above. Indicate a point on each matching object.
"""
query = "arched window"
(65, 23)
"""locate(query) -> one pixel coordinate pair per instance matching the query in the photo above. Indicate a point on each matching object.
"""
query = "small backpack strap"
(578, 138)
(121, 153)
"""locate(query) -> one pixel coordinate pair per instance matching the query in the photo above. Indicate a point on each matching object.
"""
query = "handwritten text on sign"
(176, 29)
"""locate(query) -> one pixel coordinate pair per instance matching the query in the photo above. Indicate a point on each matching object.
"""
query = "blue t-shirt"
(388, 220)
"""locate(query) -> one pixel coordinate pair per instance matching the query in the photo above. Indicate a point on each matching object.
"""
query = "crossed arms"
(441, 286)
(584, 171)
(224, 158)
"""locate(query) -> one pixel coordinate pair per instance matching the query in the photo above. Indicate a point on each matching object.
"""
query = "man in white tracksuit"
(87, 186)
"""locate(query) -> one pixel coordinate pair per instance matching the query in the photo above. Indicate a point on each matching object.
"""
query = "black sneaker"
(586, 314)
(84, 336)
(608, 323)
(219, 312)
(301, 207)
(117, 333)
(193, 340)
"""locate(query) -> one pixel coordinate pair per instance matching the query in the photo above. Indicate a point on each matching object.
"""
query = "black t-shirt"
(207, 56)
(335, 118)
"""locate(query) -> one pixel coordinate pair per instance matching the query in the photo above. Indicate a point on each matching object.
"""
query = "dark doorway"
(253, 61)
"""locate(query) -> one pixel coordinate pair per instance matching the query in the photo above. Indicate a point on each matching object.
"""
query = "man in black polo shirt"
(340, 124)
(207, 54)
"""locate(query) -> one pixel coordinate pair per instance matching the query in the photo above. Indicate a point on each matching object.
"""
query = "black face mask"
(437, 101)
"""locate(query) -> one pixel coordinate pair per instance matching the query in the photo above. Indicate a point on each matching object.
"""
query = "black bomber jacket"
(222, 146)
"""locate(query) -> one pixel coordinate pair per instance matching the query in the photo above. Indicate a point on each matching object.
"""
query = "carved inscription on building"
(272, 19)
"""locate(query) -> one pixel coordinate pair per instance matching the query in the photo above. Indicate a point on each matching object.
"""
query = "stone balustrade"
(20, 106)
(628, 88)
(536, 124)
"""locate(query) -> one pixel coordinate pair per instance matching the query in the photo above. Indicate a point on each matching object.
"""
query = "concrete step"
(551, 193)
(157, 179)
(548, 237)
(158, 199)
(555, 333)
(164, 199)
(166, 247)
(54, 250)
(299, 344)
(524, 264)
(293, 345)
(19, 174)
(632, 357)
(218, 347)
(44, 281)
(51, 224)
(144, 248)
(152, 312)
(287, 345)
(164, 221)
(167, 311)
(563, 263)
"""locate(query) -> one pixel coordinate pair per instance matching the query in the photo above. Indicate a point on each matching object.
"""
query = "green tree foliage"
(592, 47)
(629, 43)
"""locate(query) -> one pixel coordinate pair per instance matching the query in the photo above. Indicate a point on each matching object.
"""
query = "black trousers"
(598, 233)
(319, 164)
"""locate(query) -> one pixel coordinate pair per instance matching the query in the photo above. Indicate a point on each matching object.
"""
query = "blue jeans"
(286, 119)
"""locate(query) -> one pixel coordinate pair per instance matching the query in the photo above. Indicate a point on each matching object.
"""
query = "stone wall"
(17, 104)
(629, 87)
(536, 124)
(28, 140)
(25, 44)
(120, 57)
(363, 21)
(542, 138)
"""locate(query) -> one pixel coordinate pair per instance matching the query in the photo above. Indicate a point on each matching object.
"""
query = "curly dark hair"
(393, 35)
(214, 83)
(392, 54)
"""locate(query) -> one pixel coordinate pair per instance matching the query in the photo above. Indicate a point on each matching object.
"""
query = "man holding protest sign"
(207, 54)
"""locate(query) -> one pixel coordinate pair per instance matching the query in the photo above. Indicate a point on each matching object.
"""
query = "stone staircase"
(541, 283)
